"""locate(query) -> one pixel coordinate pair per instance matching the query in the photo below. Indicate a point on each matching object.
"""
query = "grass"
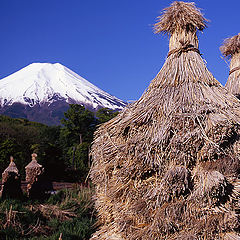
(68, 213)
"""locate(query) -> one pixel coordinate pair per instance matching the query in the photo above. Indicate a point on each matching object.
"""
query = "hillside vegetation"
(69, 214)
(62, 150)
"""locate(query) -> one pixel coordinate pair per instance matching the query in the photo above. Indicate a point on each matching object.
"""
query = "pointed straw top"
(180, 16)
(11, 167)
(34, 155)
(145, 161)
(231, 46)
(34, 163)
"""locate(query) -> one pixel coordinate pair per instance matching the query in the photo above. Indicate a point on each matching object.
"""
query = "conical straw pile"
(167, 166)
(231, 50)
(33, 170)
(11, 182)
(11, 168)
(34, 173)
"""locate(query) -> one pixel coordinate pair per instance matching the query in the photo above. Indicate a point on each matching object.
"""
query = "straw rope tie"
(234, 70)
(185, 48)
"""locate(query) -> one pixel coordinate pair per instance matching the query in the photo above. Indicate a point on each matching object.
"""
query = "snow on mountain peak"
(46, 82)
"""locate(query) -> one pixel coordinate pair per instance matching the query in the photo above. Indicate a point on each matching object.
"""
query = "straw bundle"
(11, 182)
(231, 49)
(11, 168)
(34, 172)
(167, 166)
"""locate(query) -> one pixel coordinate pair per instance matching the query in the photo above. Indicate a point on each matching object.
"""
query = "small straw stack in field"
(34, 171)
(11, 168)
(231, 49)
(11, 182)
(167, 166)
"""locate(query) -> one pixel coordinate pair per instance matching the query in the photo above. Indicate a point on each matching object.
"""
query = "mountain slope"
(42, 91)
(44, 82)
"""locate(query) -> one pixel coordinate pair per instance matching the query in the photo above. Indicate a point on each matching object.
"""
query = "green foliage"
(56, 198)
(20, 137)
(79, 123)
(7, 148)
(16, 218)
(62, 150)
(69, 212)
(76, 136)
(79, 156)
(82, 156)
(104, 114)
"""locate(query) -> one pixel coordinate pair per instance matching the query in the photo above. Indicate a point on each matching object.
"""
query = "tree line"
(62, 150)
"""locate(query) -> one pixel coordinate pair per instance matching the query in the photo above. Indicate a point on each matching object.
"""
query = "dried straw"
(34, 173)
(231, 50)
(33, 170)
(11, 182)
(180, 15)
(231, 46)
(11, 167)
(167, 166)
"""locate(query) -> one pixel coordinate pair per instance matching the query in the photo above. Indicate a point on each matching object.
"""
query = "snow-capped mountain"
(45, 82)
(50, 87)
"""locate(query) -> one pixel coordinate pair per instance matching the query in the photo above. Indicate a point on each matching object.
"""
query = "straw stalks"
(231, 49)
(167, 166)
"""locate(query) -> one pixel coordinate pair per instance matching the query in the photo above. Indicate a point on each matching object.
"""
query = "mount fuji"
(42, 92)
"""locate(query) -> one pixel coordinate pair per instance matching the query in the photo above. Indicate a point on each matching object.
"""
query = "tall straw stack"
(231, 49)
(167, 166)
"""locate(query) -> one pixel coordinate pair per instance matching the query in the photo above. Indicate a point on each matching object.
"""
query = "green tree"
(78, 157)
(76, 136)
(8, 148)
(50, 153)
(20, 137)
(79, 125)
(105, 114)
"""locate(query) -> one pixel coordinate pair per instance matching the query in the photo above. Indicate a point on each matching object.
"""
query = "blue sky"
(108, 42)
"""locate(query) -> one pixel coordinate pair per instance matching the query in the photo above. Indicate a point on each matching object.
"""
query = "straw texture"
(11, 167)
(167, 166)
(180, 15)
(231, 46)
(231, 50)
(34, 174)
(11, 182)
(33, 170)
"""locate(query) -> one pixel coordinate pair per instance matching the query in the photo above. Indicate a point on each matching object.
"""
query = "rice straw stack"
(167, 166)
(231, 50)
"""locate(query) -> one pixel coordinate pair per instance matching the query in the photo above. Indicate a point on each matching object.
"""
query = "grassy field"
(68, 213)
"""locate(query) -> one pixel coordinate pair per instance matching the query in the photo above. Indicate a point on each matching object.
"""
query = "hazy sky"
(108, 42)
